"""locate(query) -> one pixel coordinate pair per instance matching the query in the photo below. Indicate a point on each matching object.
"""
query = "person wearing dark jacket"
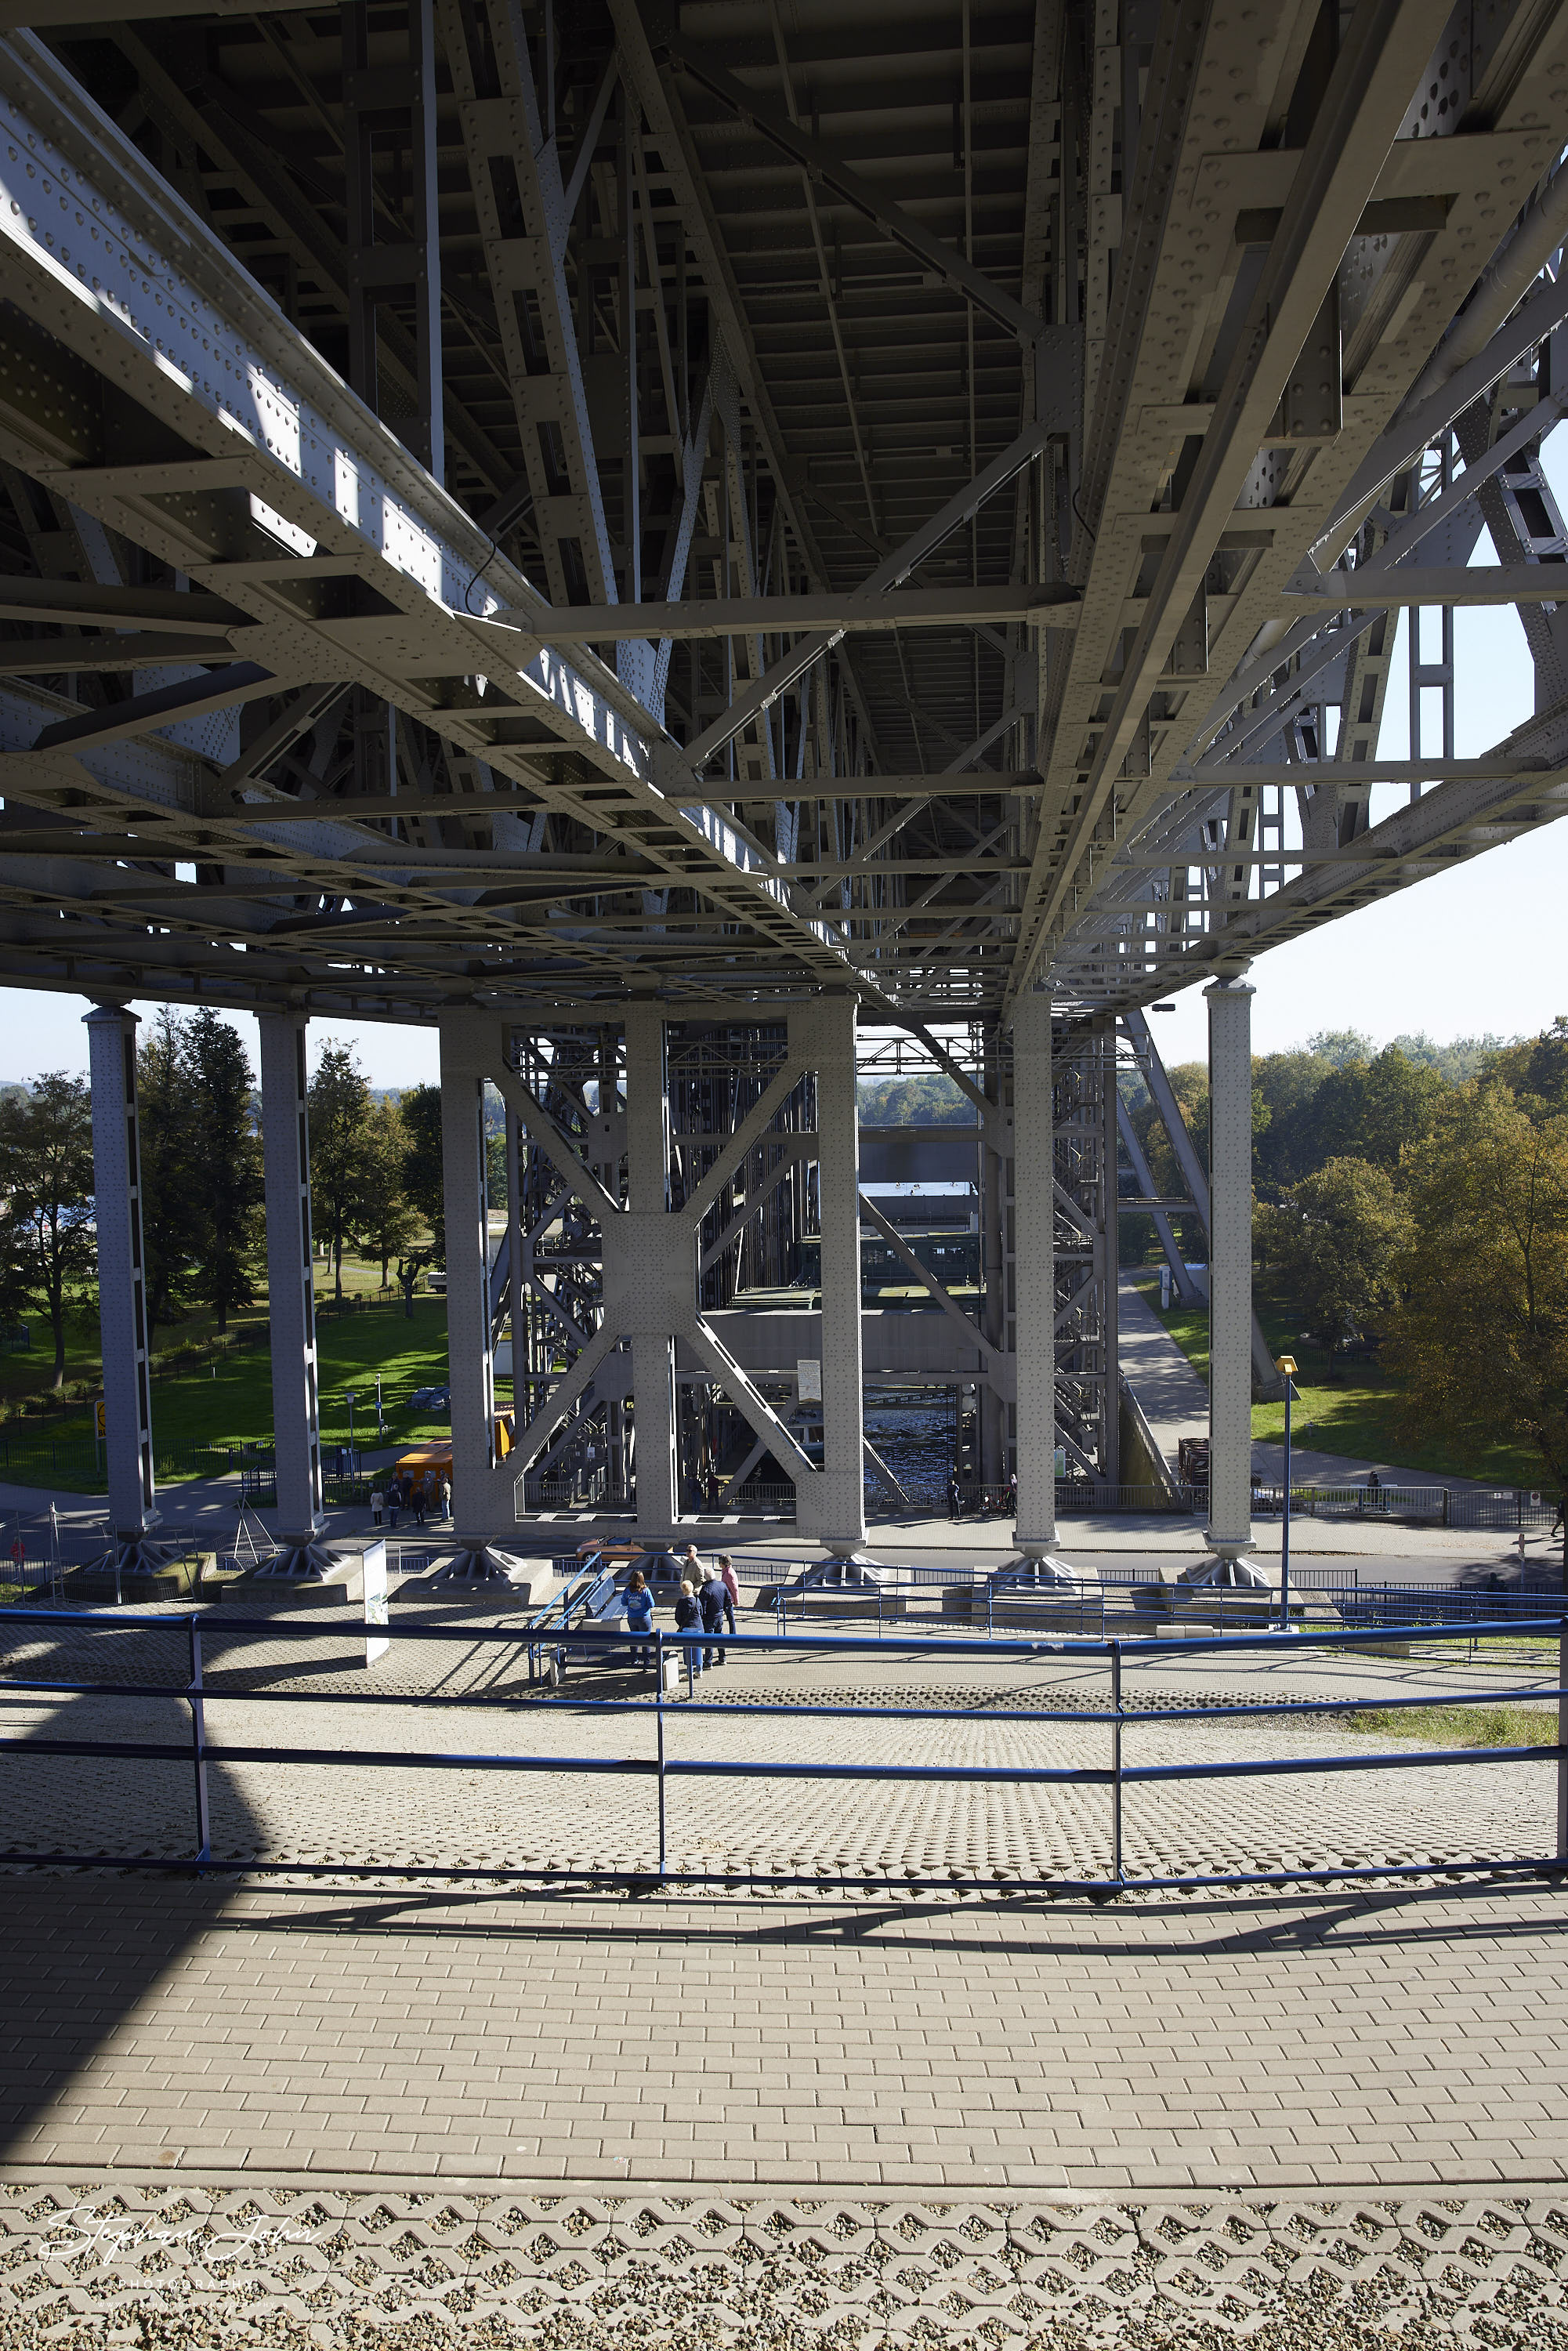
(715, 1600)
(689, 1619)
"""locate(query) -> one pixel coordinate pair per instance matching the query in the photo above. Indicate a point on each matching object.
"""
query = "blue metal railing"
(200, 1750)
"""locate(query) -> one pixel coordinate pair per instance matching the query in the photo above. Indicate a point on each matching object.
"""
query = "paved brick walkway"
(1393, 2039)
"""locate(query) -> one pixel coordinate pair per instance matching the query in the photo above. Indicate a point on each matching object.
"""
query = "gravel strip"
(178, 2263)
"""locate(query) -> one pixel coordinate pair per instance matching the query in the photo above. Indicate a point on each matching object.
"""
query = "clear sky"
(1478, 950)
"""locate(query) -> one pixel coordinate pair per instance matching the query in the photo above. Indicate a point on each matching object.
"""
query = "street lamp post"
(381, 1416)
(350, 1394)
(1286, 1367)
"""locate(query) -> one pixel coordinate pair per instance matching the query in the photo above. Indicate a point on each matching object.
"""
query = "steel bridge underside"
(550, 507)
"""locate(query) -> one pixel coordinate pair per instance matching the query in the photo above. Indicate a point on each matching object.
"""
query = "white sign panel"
(809, 1379)
(377, 1643)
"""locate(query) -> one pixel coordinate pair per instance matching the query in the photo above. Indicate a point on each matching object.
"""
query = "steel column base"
(483, 1566)
(301, 1560)
(134, 1554)
(1039, 1555)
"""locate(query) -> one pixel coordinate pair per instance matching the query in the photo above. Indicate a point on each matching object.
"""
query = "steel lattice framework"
(718, 502)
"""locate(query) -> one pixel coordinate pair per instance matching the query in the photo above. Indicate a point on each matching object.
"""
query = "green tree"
(1457, 1061)
(1374, 1110)
(46, 1171)
(389, 1224)
(496, 1170)
(1339, 1047)
(1535, 1070)
(1481, 1341)
(342, 1161)
(926, 1098)
(1287, 1147)
(421, 1171)
(1189, 1084)
(15, 1268)
(1336, 1240)
(226, 1195)
(168, 1126)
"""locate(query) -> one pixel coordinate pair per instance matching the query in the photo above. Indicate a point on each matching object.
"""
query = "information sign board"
(376, 1643)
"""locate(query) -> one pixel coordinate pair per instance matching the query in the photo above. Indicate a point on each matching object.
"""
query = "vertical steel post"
(199, 1746)
(1109, 1238)
(1116, 1870)
(1229, 1530)
(123, 1307)
(824, 1032)
(659, 1712)
(1034, 1274)
(290, 1277)
(646, 1308)
(469, 1041)
(517, 1324)
(1285, 1521)
(1563, 1739)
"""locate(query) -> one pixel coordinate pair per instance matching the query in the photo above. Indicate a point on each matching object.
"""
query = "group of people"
(401, 1494)
(705, 1490)
(706, 1604)
(986, 1504)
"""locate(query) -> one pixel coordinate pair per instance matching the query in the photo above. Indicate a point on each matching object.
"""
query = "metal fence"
(1501, 1510)
(658, 1765)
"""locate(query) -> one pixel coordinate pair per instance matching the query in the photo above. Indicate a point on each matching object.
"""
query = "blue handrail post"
(659, 1711)
(1562, 1742)
(1117, 1871)
(199, 1747)
(1287, 1369)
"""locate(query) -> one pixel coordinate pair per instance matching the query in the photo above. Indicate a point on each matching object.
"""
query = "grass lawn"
(231, 1400)
(228, 1401)
(1460, 1726)
(29, 1377)
(1351, 1414)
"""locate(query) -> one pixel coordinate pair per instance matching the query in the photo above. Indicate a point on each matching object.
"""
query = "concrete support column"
(839, 1508)
(993, 1246)
(1230, 1528)
(646, 1308)
(291, 1287)
(1109, 1239)
(1034, 1273)
(482, 1500)
(518, 1318)
(466, 1040)
(123, 1307)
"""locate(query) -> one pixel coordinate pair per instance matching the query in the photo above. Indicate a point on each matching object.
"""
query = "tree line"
(376, 1178)
(1422, 1210)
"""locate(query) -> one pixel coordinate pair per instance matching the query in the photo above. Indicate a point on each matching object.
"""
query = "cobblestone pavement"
(155, 2262)
(1407, 2041)
(341, 2114)
(413, 1814)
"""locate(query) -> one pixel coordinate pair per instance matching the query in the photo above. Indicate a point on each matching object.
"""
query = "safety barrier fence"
(1499, 1509)
(1117, 1776)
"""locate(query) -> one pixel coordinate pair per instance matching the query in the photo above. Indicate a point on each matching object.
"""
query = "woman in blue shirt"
(638, 1602)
